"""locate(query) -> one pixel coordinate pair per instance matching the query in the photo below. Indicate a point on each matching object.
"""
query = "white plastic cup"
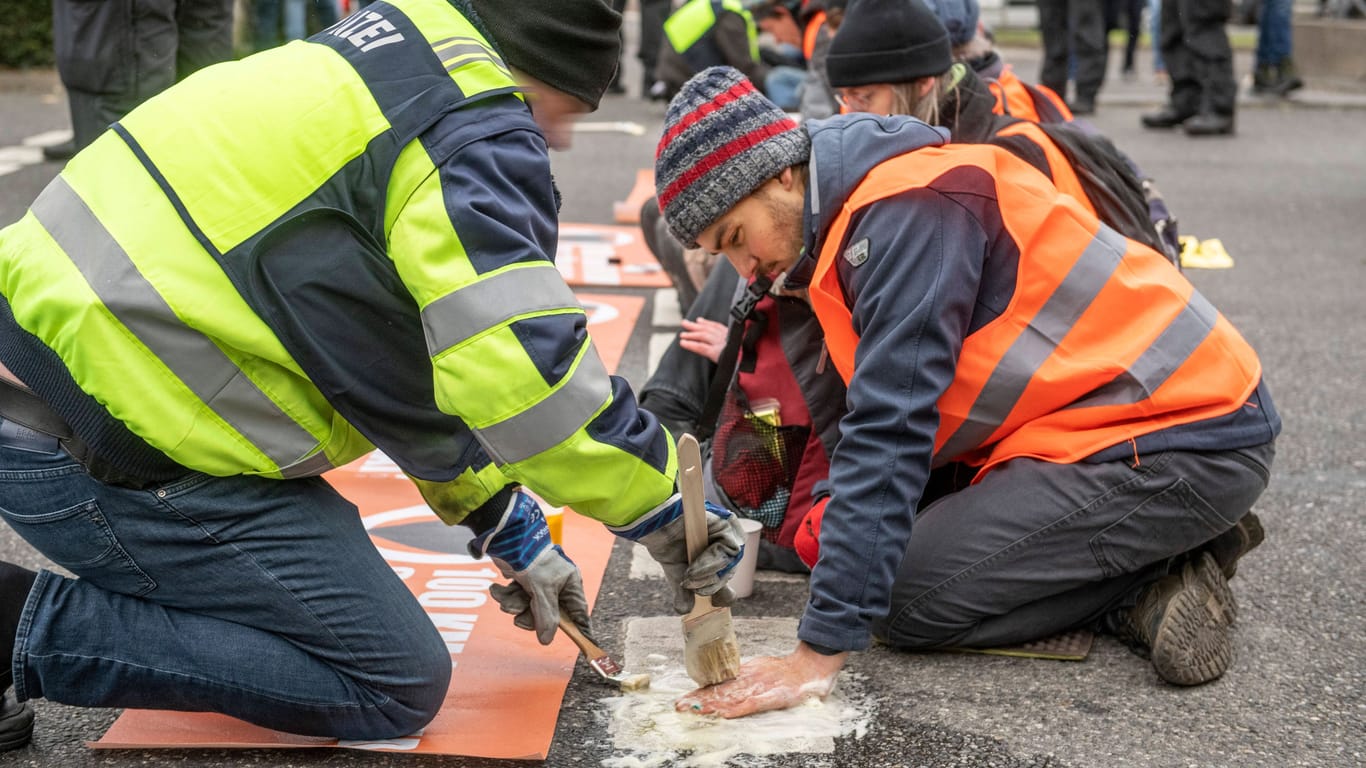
(742, 583)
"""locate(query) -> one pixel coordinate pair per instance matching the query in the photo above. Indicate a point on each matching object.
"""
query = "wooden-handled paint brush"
(606, 667)
(710, 651)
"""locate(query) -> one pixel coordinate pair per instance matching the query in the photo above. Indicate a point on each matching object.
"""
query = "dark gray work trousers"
(1037, 548)
(1073, 31)
(1199, 58)
(113, 55)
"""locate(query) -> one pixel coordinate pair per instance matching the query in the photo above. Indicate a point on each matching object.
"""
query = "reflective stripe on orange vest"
(1103, 340)
(813, 29)
(1064, 176)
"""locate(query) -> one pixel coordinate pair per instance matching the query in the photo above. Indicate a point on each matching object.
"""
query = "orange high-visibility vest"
(813, 28)
(1064, 176)
(1015, 98)
(1103, 339)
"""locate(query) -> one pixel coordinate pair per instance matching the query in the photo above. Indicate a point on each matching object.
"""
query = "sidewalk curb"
(33, 80)
(1145, 92)
(1304, 99)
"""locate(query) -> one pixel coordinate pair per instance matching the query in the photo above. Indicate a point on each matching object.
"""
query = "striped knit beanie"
(722, 140)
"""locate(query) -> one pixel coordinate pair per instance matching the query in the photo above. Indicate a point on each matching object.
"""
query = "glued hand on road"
(768, 683)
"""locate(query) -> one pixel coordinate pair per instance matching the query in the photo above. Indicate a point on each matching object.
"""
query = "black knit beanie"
(887, 41)
(570, 45)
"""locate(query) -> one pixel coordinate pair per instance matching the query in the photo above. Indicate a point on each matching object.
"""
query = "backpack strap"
(730, 355)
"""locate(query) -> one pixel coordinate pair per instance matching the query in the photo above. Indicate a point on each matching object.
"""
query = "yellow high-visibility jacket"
(343, 242)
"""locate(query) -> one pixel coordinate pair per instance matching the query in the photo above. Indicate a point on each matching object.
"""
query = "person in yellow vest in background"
(266, 272)
(1097, 431)
(708, 33)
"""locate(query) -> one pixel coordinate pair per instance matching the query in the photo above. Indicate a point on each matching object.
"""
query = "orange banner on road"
(607, 255)
(611, 320)
(628, 211)
(506, 689)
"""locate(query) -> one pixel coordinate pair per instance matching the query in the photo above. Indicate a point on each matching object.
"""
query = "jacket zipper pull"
(820, 363)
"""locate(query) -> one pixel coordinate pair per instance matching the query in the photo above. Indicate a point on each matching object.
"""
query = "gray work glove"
(661, 532)
(544, 580)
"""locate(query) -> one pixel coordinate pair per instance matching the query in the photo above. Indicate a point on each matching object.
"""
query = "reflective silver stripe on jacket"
(553, 420)
(456, 52)
(1177, 342)
(189, 354)
(480, 306)
(1037, 342)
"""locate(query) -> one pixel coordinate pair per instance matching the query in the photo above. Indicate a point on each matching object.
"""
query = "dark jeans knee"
(420, 701)
(407, 703)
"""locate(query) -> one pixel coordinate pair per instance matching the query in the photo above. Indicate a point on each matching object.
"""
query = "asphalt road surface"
(1287, 197)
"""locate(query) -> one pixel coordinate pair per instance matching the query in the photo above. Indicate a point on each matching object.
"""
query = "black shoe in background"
(16, 722)
(1209, 124)
(57, 153)
(1083, 105)
(1166, 118)
(1264, 79)
(1287, 80)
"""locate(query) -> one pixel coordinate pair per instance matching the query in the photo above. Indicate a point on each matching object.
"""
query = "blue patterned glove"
(661, 532)
(544, 580)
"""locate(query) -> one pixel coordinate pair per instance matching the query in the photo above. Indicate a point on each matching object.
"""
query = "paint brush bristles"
(710, 651)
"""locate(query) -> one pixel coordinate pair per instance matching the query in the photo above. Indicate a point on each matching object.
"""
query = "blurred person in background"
(895, 57)
(707, 33)
(279, 21)
(1275, 70)
(1073, 42)
(1203, 95)
(115, 54)
(823, 17)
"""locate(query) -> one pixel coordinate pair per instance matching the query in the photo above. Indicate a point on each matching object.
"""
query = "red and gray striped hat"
(722, 140)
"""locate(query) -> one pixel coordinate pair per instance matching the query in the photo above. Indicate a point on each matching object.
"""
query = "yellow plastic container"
(554, 520)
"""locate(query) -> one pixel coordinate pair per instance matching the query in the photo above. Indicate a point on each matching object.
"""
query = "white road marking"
(47, 138)
(659, 344)
(667, 312)
(619, 126)
(29, 151)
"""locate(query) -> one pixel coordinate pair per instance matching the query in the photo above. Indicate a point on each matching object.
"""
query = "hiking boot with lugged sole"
(16, 722)
(1183, 621)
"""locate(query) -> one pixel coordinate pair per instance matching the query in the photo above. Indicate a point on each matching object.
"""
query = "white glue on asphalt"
(648, 732)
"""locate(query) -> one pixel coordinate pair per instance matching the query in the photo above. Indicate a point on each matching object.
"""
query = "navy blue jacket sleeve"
(911, 303)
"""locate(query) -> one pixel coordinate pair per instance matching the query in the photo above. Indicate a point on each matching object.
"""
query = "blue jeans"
(296, 20)
(1274, 42)
(267, 18)
(1155, 33)
(261, 599)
